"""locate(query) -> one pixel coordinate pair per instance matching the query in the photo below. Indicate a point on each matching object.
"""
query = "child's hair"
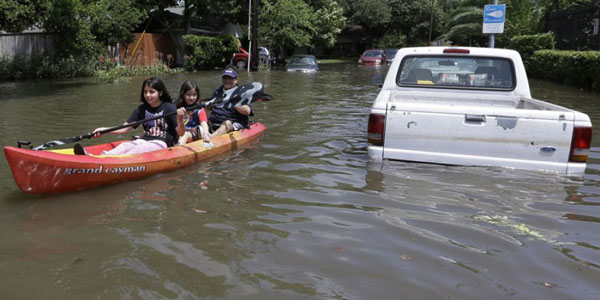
(185, 87)
(157, 84)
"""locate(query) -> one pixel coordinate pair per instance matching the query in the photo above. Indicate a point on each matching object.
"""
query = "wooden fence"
(27, 44)
(152, 48)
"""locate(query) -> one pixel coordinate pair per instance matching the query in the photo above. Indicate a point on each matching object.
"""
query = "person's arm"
(132, 118)
(119, 131)
(180, 127)
(244, 110)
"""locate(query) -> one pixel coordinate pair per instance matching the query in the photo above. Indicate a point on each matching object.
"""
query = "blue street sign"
(493, 18)
(494, 13)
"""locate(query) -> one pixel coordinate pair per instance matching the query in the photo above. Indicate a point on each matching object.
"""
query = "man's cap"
(230, 72)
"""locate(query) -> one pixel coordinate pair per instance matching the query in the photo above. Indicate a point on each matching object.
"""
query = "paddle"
(237, 96)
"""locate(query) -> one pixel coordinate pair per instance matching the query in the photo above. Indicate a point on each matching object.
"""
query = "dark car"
(302, 63)
(390, 54)
(372, 57)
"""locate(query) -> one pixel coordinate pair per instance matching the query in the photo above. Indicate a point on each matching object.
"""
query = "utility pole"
(431, 22)
(254, 40)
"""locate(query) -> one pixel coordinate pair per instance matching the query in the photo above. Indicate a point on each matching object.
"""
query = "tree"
(297, 23)
(524, 17)
(369, 13)
(464, 24)
(328, 21)
(68, 22)
(286, 23)
(413, 19)
(112, 21)
(406, 18)
(391, 40)
(18, 15)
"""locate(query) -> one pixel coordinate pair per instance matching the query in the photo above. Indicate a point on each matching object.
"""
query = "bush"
(43, 66)
(391, 40)
(526, 45)
(119, 73)
(580, 68)
(204, 53)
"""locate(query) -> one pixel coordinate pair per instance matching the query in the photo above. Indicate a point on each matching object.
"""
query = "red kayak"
(55, 171)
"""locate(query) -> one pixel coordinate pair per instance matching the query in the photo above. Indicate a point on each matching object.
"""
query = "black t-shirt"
(161, 129)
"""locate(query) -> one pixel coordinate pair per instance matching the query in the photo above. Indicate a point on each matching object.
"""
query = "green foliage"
(286, 23)
(370, 13)
(112, 21)
(204, 53)
(464, 26)
(73, 37)
(18, 15)
(408, 17)
(391, 40)
(328, 21)
(524, 17)
(579, 68)
(526, 45)
(85, 29)
(232, 11)
(43, 66)
(298, 23)
(118, 73)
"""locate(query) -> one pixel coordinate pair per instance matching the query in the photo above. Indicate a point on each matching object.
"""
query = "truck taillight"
(375, 130)
(581, 143)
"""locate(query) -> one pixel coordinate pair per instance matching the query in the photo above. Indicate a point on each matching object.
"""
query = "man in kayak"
(223, 119)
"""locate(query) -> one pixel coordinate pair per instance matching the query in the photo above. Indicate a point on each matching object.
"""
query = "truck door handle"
(475, 118)
(548, 149)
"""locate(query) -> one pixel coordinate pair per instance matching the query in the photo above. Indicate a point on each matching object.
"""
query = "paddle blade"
(55, 143)
(246, 94)
(237, 96)
(265, 97)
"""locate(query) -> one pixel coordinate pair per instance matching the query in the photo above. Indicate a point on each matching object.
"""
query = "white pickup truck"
(472, 107)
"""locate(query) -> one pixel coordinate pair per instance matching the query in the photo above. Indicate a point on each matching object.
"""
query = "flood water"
(300, 214)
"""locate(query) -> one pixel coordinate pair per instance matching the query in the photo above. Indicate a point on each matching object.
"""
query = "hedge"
(204, 52)
(526, 45)
(580, 68)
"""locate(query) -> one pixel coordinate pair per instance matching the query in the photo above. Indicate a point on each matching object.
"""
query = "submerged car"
(390, 54)
(372, 57)
(302, 63)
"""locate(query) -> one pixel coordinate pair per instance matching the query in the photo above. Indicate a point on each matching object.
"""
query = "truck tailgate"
(465, 135)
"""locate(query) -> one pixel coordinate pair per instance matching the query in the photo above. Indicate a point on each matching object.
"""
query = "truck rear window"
(457, 72)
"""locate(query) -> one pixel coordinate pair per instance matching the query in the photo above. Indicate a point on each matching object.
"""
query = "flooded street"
(300, 214)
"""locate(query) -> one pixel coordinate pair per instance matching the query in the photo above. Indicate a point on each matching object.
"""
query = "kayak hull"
(57, 171)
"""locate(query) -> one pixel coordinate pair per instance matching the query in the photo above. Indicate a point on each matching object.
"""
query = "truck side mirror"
(377, 80)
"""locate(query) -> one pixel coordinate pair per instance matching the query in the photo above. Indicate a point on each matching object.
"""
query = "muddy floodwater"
(299, 214)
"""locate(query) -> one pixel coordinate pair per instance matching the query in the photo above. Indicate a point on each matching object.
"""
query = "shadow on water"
(43, 88)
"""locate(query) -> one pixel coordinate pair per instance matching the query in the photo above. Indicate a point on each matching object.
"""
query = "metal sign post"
(493, 20)
(249, 34)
